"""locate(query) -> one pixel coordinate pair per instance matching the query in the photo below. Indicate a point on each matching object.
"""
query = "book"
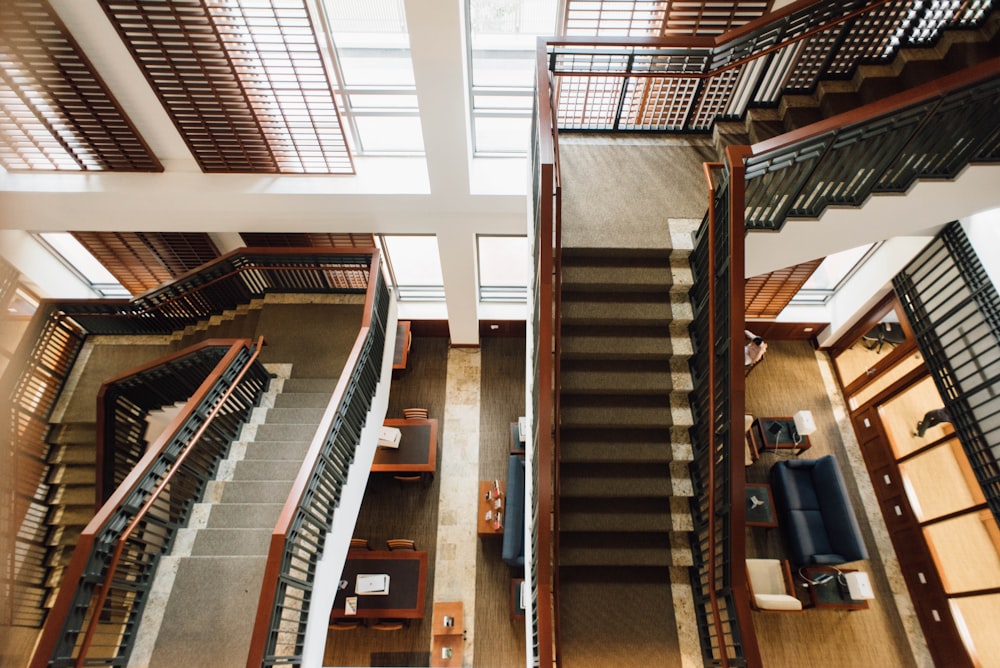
(389, 437)
(351, 605)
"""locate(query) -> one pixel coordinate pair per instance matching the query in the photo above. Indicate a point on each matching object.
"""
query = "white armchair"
(771, 585)
(751, 454)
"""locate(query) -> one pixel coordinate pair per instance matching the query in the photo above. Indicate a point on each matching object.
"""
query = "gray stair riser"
(302, 400)
(310, 385)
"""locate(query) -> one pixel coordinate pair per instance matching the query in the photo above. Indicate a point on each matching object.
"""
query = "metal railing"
(932, 131)
(107, 583)
(299, 536)
(687, 84)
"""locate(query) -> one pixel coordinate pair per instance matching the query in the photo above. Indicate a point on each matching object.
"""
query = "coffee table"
(832, 594)
(760, 506)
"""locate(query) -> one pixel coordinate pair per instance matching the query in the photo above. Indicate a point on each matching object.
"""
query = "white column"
(457, 247)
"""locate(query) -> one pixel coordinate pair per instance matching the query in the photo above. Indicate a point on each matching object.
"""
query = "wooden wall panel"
(307, 240)
(142, 261)
(766, 295)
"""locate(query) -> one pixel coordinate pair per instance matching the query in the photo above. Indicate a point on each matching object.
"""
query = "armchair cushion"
(771, 586)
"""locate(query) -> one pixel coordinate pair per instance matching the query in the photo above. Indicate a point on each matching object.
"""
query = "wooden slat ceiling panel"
(307, 239)
(244, 82)
(56, 113)
(766, 295)
(142, 261)
(663, 18)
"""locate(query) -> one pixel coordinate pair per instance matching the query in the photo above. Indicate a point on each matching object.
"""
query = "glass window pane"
(415, 261)
(835, 268)
(390, 133)
(360, 101)
(502, 135)
(372, 42)
(965, 549)
(940, 481)
(977, 621)
(78, 257)
(504, 263)
(901, 414)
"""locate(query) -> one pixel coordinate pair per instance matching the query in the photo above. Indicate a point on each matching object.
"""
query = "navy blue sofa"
(815, 512)
(513, 518)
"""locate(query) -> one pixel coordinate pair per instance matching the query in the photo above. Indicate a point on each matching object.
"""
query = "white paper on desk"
(389, 437)
(371, 584)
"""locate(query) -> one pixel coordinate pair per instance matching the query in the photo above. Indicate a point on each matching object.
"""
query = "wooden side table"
(777, 433)
(489, 521)
(448, 639)
(760, 511)
(832, 594)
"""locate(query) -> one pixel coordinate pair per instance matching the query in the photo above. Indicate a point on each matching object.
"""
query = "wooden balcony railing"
(106, 586)
(298, 539)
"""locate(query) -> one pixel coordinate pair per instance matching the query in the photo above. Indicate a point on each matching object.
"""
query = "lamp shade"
(804, 423)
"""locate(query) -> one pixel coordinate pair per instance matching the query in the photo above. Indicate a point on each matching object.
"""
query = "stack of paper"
(389, 437)
(372, 584)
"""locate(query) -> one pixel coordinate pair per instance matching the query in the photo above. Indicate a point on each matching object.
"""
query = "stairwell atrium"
(432, 161)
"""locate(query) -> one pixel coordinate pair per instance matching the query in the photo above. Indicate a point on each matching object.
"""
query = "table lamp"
(804, 424)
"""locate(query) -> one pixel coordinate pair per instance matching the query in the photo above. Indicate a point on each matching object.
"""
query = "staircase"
(210, 585)
(955, 50)
(624, 520)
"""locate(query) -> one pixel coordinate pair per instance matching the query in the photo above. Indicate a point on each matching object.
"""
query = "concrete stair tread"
(232, 542)
(267, 469)
(298, 416)
(302, 400)
(286, 432)
(607, 480)
(63, 474)
(310, 385)
(267, 491)
(276, 450)
(616, 377)
(616, 311)
(597, 452)
(627, 514)
(243, 515)
(610, 549)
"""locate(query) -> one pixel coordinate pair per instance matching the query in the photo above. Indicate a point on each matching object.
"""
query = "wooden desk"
(447, 636)
(765, 440)
(417, 451)
(403, 340)
(485, 527)
(407, 570)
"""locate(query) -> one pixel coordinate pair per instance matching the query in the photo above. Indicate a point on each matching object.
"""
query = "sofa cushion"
(513, 519)
(808, 535)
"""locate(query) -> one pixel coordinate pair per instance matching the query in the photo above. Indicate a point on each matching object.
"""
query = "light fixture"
(804, 424)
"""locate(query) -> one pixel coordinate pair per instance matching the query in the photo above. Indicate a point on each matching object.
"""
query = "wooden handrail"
(168, 434)
(283, 525)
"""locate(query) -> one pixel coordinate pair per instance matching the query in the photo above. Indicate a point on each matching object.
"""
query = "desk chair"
(360, 544)
(771, 585)
(345, 624)
(415, 413)
(401, 544)
(390, 624)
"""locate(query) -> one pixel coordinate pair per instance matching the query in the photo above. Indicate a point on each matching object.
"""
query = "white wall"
(983, 231)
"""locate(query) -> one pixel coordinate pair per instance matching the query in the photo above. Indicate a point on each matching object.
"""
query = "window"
(831, 274)
(502, 40)
(504, 268)
(79, 260)
(414, 266)
(375, 84)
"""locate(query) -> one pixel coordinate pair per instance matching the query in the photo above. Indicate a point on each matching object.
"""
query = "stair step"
(647, 575)
(616, 275)
(604, 515)
(231, 542)
(611, 411)
(295, 416)
(276, 450)
(79, 514)
(266, 491)
(310, 385)
(615, 377)
(615, 342)
(302, 433)
(73, 433)
(62, 474)
(244, 515)
(614, 549)
(267, 469)
(614, 308)
(302, 400)
(646, 446)
(83, 495)
(614, 480)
